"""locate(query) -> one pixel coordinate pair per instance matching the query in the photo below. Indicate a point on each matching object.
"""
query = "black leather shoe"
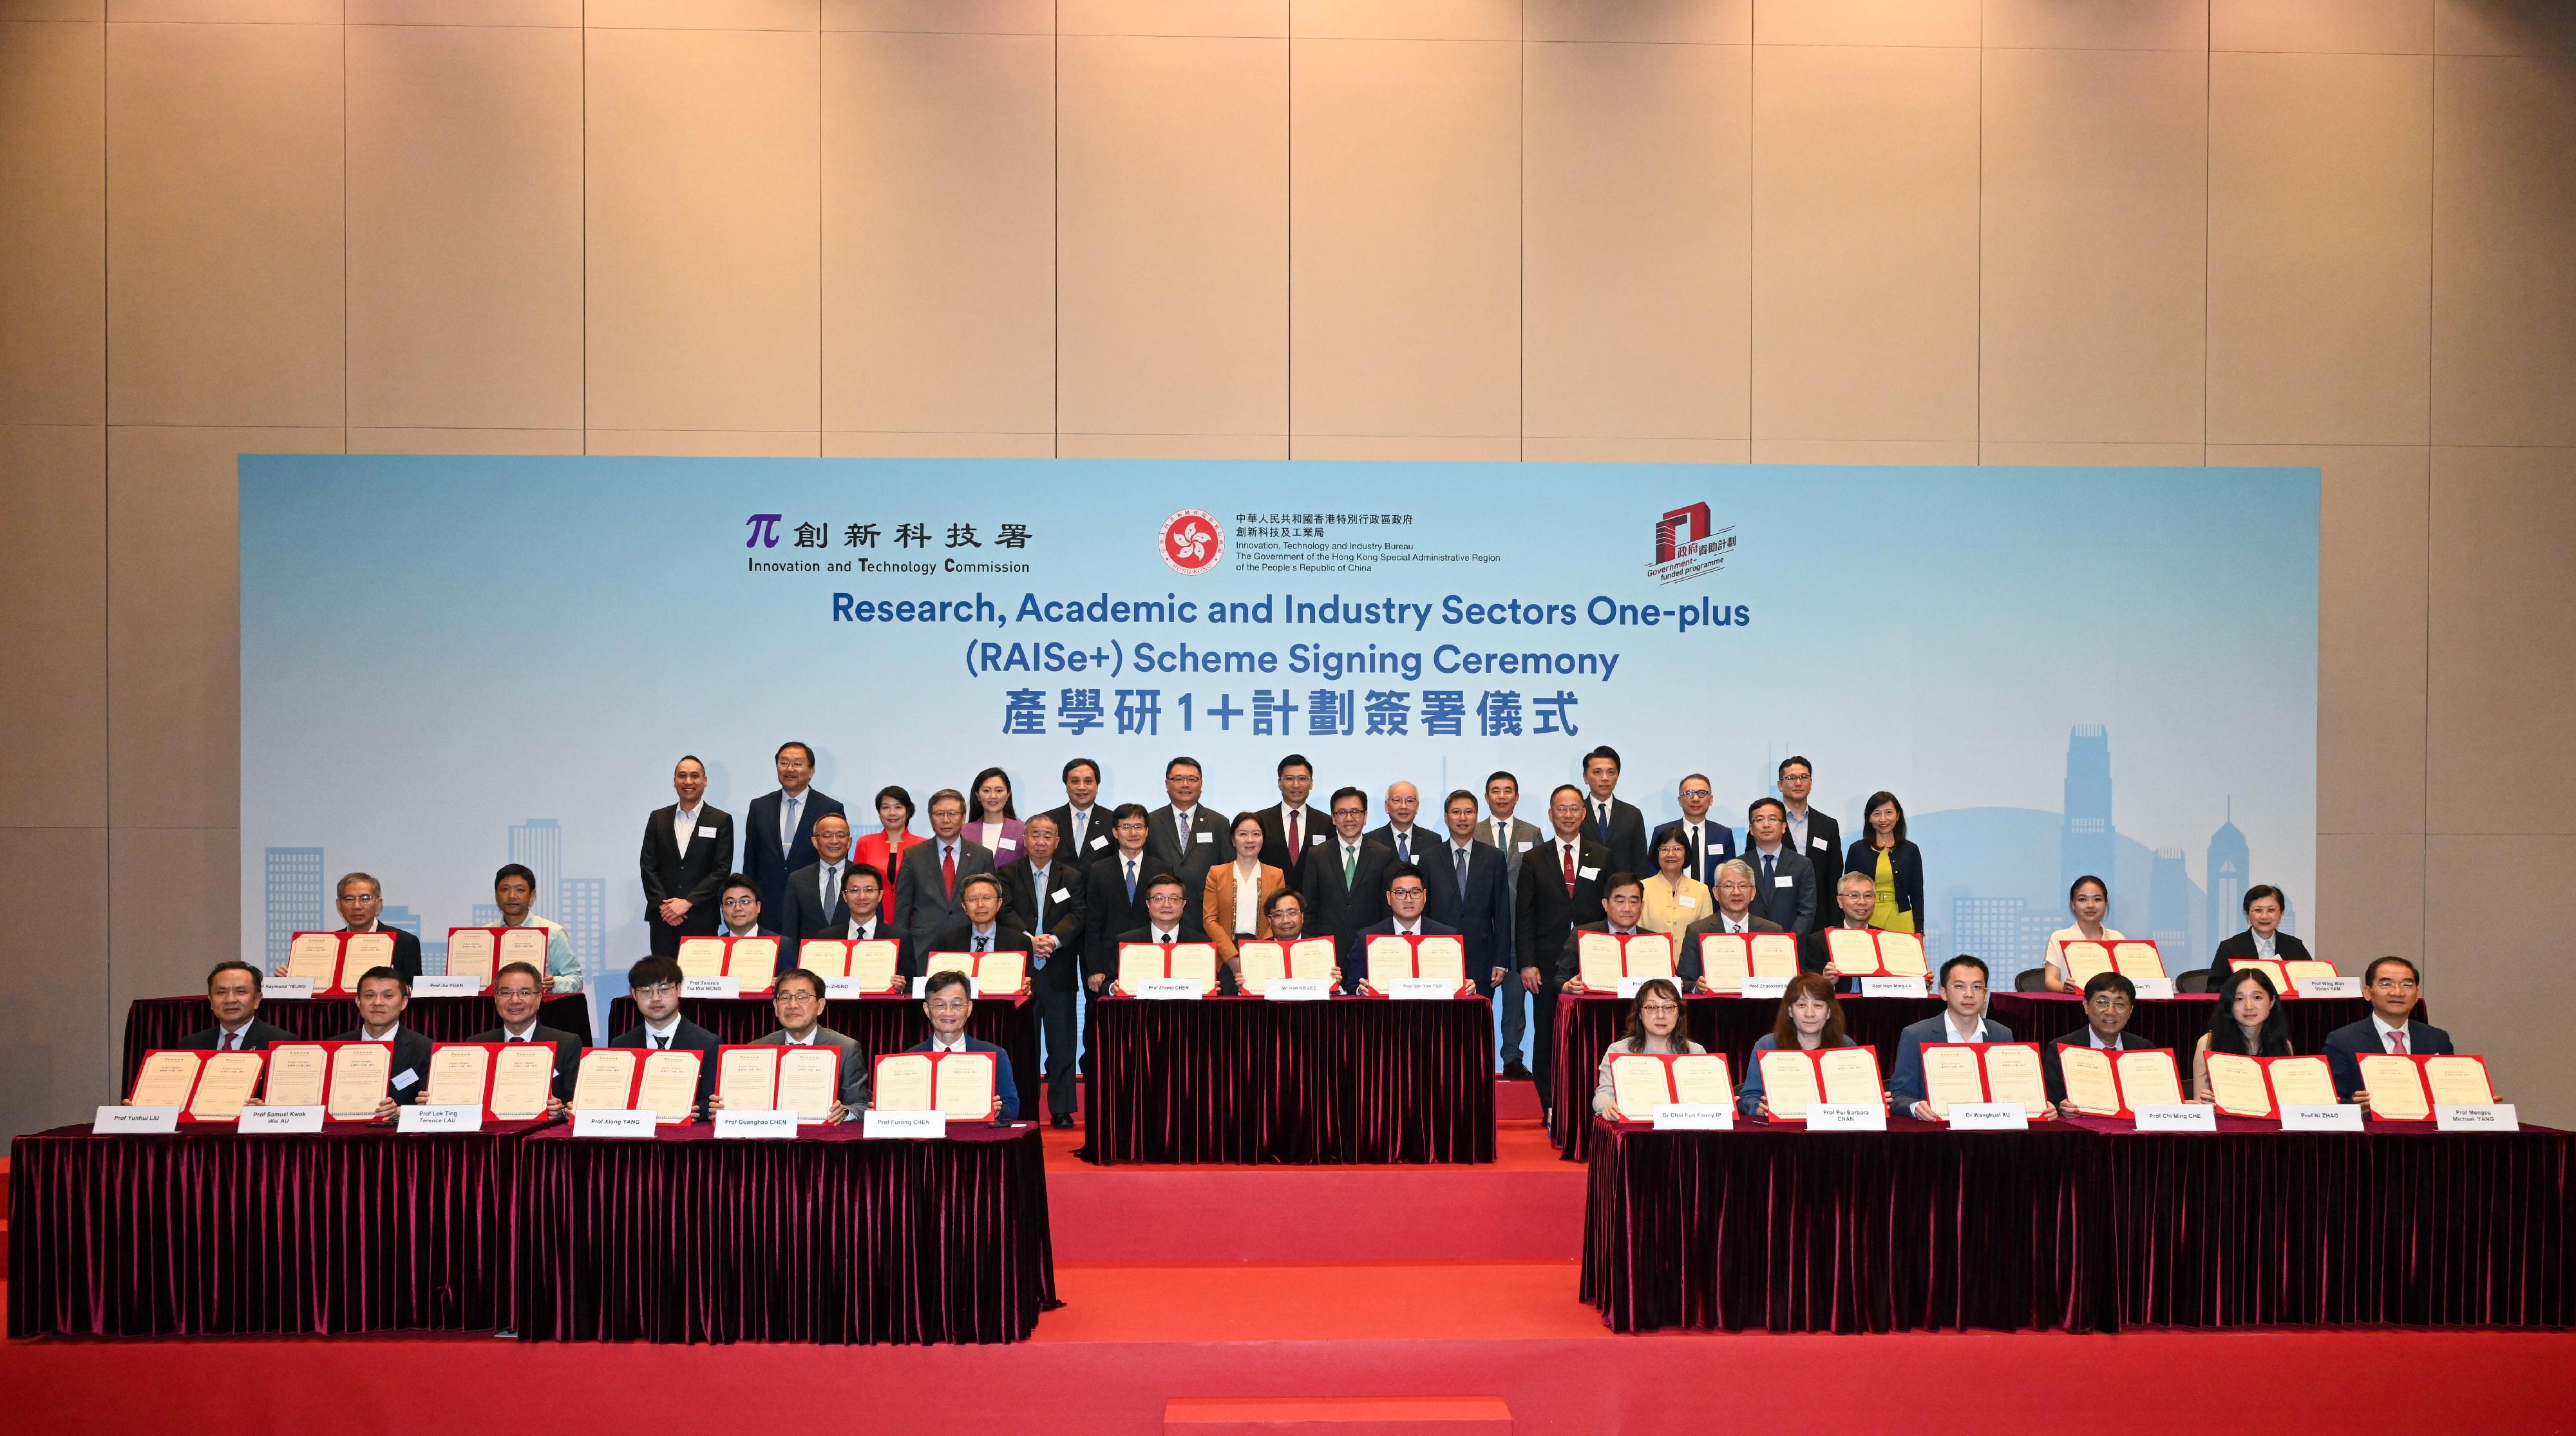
(1061, 1120)
(1515, 1072)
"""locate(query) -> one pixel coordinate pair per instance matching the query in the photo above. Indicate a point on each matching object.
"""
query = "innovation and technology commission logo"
(1192, 541)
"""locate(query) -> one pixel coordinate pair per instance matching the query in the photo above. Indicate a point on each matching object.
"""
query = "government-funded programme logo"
(1688, 544)
(1192, 542)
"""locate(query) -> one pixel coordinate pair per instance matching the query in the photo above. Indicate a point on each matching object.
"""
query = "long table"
(1240, 1079)
(1587, 1024)
(878, 1024)
(152, 1022)
(2080, 1225)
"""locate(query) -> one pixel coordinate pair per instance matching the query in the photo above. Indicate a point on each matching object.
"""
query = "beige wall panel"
(2093, 250)
(2504, 27)
(2502, 677)
(709, 443)
(91, 10)
(1865, 451)
(224, 224)
(2369, 900)
(53, 486)
(2089, 455)
(1240, 19)
(2320, 242)
(2504, 290)
(1404, 249)
(841, 444)
(1865, 22)
(174, 623)
(1545, 449)
(1637, 212)
(464, 226)
(2371, 588)
(264, 12)
(196, 871)
(2097, 24)
(61, 1051)
(1865, 244)
(465, 441)
(704, 14)
(958, 17)
(53, 264)
(1700, 22)
(2378, 27)
(465, 12)
(1172, 446)
(1405, 19)
(701, 231)
(1410, 448)
(2479, 985)
(938, 227)
(1172, 236)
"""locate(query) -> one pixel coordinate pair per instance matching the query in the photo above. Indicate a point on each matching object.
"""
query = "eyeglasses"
(657, 989)
(745, 900)
(1663, 1008)
(949, 1004)
(1695, 792)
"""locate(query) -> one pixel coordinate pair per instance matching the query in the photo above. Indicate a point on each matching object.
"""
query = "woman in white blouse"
(2088, 899)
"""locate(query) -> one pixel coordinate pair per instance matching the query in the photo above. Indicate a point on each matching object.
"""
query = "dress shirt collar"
(523, 1034)
(1950, 1025)
(369, 1034)
(789, 1039)
(751, 931)
(1163, 934)
(2385, 1027)
(664, 1028)
(2101, 1046)
(944, 1044)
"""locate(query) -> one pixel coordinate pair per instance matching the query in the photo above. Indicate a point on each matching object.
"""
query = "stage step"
(1516, 1101)
(1339, 1416)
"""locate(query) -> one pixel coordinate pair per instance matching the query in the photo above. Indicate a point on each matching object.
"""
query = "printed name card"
(1728, 960)
(1871, 952)
(2115, 1084)
(117, 1121)
(2175, 1117)
(611, 1122)
(1795, 1081)
(802, 1082)
(1971, 1074)
(272, 1119)
(1297, 989)
(851, 967)
(1307, 960)
(740, 1124)
(479, 952)
(506, 1081)
(1847, 1117)
(1395, 958)
(1641, 1083)
(2314, 978)
(995, 973)
(1988, 1117)
(2407, 1087)
(917, 1126)
(2477, 1117)
(1884, 986)
(661, 1085)
(2330, 1117)
(1602, 958)
(2132, 958)
(334, 961)
(446, 986)
(749, 964)
(199, 1086)
(347, 1080)
(2260, 1087)
(424, 1117)
(957, 1085)
(1773, 987)
(286, 989)
(1143, 962)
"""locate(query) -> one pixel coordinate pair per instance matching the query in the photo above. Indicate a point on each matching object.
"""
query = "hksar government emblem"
(1192, 542)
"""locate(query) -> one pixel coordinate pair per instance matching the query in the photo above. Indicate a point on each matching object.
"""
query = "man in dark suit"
(1114, 902)
(654, 983)
(926, 886)
(1167, 922)
(1184, 838)
(1559, 889)
(1710, 842)
(1081, 825)
(1784, 882)
(1610, 821)
(864, 919)
(1855, 897)
(517, 991)
(778, 831)
(1732, 890)
(986, 927)
(950, 1001)
(362, 902)
(1346, 878)
(1049, 896)
(1623, 901)
(814, 891)
(742, 917)
(1512, 837)
(2109, 1001)
(1294, 826)
(2391, 984)
(1408, 891)
(1468, 892)
(688, 850)
(1401, 833)
(232, 990)
(2261, 938)
(1812, 831)
(1963, 1019)
(382, 995)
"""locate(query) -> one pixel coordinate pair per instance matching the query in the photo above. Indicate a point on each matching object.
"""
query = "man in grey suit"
(814, 898)
(925, 889)
(1513, 838)
(1784, 882)
(1184, 838)
(797, 998)
(1962, 1019)
(1732, 886)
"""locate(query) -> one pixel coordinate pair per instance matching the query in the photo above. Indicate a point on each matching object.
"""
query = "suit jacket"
(1189, 932)
(1355, 951)
(694, 875)
(1569, 962)
(1907, 1084)
(1624, 839)
(1109, 911)
(1082, 850)
(763, 860)
(906, 956)
(1008, 936)
(1515, 833)
(1542, 912)
(805, 913)
(2055, 1076)
(687, 1037)
(1812, 953)
(1312, 823)
(1482, 915)
(1336, 909)
(1218, 901)
(1423, 839)
(2345, 1045)
(1904, 863)
(2284, 947)
(1824, 849)
(567, 1052)
(923, 907)
(1793, 907)
(1686, 963)
(1209, 847)
(258, 1036)
(1004, 1089)
(854, 1063)
(406, 951)
(411, 1055)
(1067, 918)
(1714, 843)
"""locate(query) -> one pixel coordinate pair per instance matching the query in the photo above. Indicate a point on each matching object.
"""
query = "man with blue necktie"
(1616, 825)
(986, 928)
(1398, 834)
(1710, 843)
(1468, 893)
(778, 829)
(1784, 882)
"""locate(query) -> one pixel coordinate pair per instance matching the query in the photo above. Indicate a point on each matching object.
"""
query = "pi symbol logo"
(1192, 542)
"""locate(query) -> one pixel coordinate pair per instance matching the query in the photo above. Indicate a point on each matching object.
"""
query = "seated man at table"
(1166, 922)
(654, 983)
(864, 919)
(986, 928)
(1963, 1019)
(1623, 901)
(1855, 896)
(1407, 894)
(1732, 889)
(950, 999)
(518, 991)
(738, 902)
(232, 990)
(797, 998)
(382, 995)
(2110, 999)
(2391, 984)
(1287, 912)
(514, 889)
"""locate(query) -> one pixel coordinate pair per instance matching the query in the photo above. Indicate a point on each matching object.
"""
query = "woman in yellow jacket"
(1236, 902)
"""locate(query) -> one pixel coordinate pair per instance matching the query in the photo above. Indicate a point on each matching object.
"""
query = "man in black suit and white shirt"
(688, 850)
(987, 927)
(361, 900)
(1294, 827)
(232, 990)
(814, 895)
(1049, 896)
(518, 989)
(925, 887)
(778, 832)
(654, 983)
(2391, 984)
(1812, 831)
(1346, 878)
(1512, 837)
(382, 995)
(1081, 823)
(1611, 821)
(1467, 892)
(742, 917)
(1184, 838)
(864, 919)
(1401, 833)
(1710, 842)
(1784, 882)
(1559, 890)
(2110, 1000)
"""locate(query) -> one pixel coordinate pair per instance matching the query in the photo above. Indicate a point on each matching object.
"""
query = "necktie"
(831, 884)
(948, 869)
(1350, 866)
(1404, 847)
(1294, 845)
(1767, 860)
(1601, 815)
(1568, 850)
(1502, 840)
(1181, 821)
(1462, 875)
(1165, 939)
(787, 823)
(980, 940)
(1131, 879)
(2397, 1042)
(232, 1041)
(1038, 882)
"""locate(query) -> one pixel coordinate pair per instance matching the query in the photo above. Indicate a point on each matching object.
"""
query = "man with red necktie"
(925, 891)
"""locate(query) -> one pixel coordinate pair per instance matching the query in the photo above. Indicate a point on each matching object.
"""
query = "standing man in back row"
(1295, 826)
(779, 834)
(1184, 839)
(1608, 820)
(926, 888)
(688, 851)
(1513, 838)
(1813, 834)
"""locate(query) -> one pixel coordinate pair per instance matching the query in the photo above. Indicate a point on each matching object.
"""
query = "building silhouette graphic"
(584, 915)
(538, 843)
(2228, 865)
(292, 898)
(2087, 842)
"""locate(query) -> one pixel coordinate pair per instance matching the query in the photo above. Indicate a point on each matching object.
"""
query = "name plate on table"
(609, 1123)
(281, 1119)
(2485, 1117)
(2153, 989)
(1989, 1117)
(2339, 1117)
(421, 1117)
(756, 1126)
(2176, 1117)
(1846, 1117)
(711, 987)
(1422, 989)
(1770, 987)
(1628, 985)
(844, 989)
(1892, 987)
(277, 987)
(464, 986)
(1296, 989)
(117, 1121)
(2325, 987)
(911, 1126)
(1694, 1117)
(1168, 989)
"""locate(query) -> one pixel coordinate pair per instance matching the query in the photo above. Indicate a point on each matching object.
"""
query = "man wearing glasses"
(2391, 984)
(2109, 1001)
(1709, 843)
(517, 991)
(798, 1000)
(741, 907)
(654, 982)
(950, 999)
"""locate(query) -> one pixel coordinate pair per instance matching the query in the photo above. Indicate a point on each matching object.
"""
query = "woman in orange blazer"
(1246, 880)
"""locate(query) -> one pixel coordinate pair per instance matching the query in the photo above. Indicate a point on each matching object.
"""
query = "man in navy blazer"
(2391, 984)
(816, 902)
(1784, 882)
(1611, 821)
(950, 999)
(232, 990)
(382, 995)
(1471, 892)
(1407, 893)
(1345, 886)
(1963, 989)
(1710, 842)
(778, 829)
(654, 983)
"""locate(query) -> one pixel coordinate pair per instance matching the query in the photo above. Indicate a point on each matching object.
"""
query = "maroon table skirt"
(209, 1233)
(828, 1238)
(162, 1021)
(878, 1024)
(1239, 1079)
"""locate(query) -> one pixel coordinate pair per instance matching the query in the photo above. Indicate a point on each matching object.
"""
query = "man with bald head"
(688, 850)
(1398, 834)
(814, 901)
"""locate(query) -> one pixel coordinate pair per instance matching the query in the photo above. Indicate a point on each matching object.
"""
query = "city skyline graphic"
(300, 896)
